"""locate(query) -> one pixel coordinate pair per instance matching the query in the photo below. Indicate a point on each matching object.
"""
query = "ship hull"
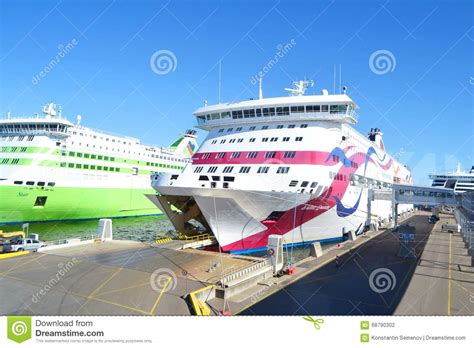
(17, 204)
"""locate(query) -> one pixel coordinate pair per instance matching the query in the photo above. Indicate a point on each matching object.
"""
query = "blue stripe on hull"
(288, 245)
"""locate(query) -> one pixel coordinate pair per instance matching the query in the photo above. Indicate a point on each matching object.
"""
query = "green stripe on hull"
(67, 203)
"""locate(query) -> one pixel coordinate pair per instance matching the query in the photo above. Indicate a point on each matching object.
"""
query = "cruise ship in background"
(52, 169)
(460, 181)
(292, 166)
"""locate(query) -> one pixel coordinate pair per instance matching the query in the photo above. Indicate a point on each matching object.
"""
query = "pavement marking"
(126, 288)
(449, 276)
(71, 293)
(159, 297)
(91, 295)
(14, 254)
(24, 263)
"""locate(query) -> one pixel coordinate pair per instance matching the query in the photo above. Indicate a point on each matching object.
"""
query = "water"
(143, 229)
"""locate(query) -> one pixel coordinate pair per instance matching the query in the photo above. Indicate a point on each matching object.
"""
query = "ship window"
(203, 178)
(270, 154)
(134, 170)
(264, 140)
(51, 184)
(230, 129)
(100, 168)
(274, 139)
(93, 156)
(212, 169)
(289, 154)
(244, 170)
(238, 129)
(291, 126)
(86, 166)
(92, 167)
(86, 155)
(280, 126)
(228, 169)
(252, 128)
(225, 114)
(220, 155)
(240, 140)
(235, 155)
(216, 178)
(324, 108)
(78, 165)
(30, 183)
(249, 113)
(40, 183)
(314, 184)
(263, 170)
(40, 201)
(198, 169)
(286, 138)
(237, 114)
(252, 155)
(264, 127)
(251, 140)
(304, 126)
(222, 141)
(258, 112)
(18, 182)
(283, 170)
(231, 141)
(298, 138)
(229, 178)
(304, 183)
(79, 154)
(221, 130)
(206, 156)
(106, 158)
(71, 153)
(111, 169)
(71, 165)
(293, 183)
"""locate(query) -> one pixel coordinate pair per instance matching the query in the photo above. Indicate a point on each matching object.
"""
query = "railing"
(67, 241)
(292, 116)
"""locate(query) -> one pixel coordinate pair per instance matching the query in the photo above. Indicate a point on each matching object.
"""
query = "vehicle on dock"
(23, 244)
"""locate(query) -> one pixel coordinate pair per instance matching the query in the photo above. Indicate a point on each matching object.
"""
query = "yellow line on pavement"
(161, 294)
(14, 254)
(105, 282)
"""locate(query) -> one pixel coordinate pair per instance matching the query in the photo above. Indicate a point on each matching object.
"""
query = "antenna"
(340, 78)
(260, 93)
(220, 80)
(334, 82)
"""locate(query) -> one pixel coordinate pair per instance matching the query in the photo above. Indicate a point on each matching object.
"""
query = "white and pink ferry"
(292, 166)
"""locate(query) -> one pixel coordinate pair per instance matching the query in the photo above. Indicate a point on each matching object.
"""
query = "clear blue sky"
(423, 104)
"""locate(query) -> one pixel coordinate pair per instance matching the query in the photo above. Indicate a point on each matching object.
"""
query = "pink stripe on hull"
(304, 212)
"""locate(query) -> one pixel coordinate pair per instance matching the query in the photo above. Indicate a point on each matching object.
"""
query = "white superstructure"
(459, 180)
